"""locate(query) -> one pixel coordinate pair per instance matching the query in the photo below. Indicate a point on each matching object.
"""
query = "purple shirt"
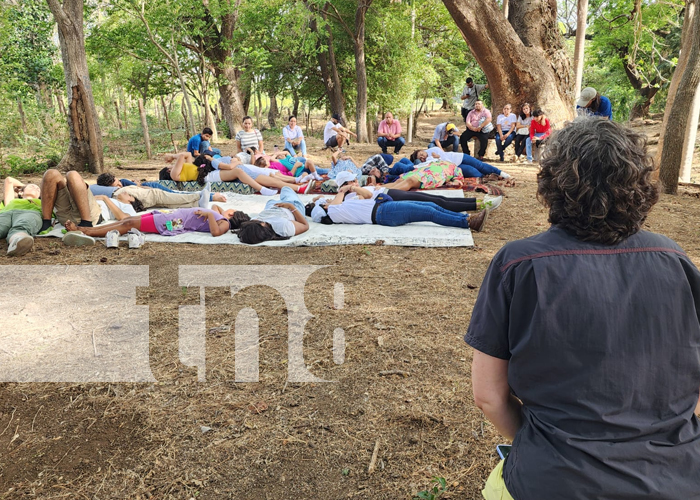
(182, 220)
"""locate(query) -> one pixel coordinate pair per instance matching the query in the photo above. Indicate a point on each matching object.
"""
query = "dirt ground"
(403, 388)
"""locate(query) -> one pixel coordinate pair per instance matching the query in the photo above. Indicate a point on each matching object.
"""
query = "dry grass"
(404, 389)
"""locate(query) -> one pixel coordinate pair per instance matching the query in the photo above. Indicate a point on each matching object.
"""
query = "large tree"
(681, 100)
(523, 57)
(85, 146)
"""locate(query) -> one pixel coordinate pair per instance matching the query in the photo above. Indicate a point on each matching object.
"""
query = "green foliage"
(438, 486)
(14, 165)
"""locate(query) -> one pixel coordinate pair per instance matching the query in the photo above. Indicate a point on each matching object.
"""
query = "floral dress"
(435, 174)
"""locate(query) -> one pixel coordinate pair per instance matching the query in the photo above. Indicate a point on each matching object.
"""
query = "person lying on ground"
(342, 162)
(382, 210)
(280, 220)
(69, 198)
(108, 180)
(348, 181)
(430, 176)
(201, 170)
(121, 207)
(293, 166)
(20, 216)
(169, 223)
(471, 167)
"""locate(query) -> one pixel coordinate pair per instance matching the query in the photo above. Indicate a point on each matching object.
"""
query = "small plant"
(438, 487)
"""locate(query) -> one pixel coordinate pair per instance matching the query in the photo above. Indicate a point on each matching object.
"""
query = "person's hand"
(316, 198)
(201, 213)
(435, 155)
(286, 205)
(101, 197)
(344, 189)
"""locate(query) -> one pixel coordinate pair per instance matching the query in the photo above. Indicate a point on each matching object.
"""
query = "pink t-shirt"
(474, 117)
(393, 129)
(275, 165)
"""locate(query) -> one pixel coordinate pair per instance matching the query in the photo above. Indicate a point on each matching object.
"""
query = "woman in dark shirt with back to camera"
(587, 338)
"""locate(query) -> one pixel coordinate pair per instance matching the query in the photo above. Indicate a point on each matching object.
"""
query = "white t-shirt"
(290, 134)
(506, 122)
(526, 121)
(352, 211)
(450, 156)
(328, 131)
(107, 213)
(375, 190)
(280, 219)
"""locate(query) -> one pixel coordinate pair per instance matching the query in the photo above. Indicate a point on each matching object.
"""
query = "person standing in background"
(470, 95)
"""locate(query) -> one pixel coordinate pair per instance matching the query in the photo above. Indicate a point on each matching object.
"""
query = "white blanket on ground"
(421, 234)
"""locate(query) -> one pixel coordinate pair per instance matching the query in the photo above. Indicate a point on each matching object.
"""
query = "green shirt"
(20, 204)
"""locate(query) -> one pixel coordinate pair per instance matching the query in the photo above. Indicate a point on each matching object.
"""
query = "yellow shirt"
(189, 172)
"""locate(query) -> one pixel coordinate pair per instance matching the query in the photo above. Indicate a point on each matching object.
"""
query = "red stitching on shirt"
(615, 251)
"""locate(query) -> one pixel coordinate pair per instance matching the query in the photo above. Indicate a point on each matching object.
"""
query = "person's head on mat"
(346, 178)
(252, 232)
(29, 192)
(596, 180)
(109, 180)
(419, 154)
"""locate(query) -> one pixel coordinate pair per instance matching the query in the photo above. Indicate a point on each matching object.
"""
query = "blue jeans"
(471, 167)
(292, 151)
(528, 145)
(398, 143)
(398, 213)
(451, 140)
(127, 182)
(501, 146)
(400, 167)
(156, 185)
(287, 195)
(205, 147)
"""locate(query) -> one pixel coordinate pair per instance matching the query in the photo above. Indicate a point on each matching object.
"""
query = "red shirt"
(536, 128)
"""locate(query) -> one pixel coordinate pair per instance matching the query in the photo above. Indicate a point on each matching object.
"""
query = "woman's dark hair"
(308, 208)
(324, 220)
(254, 232)
(204, 167)
(414, 155)
(138, 206)
(164, 174)
(537, 112)
(522, 114)
(290, 117)
(260, 162)
(247, 118)
(105, 179)
(595, 103)
(237, 219)
(595, 178)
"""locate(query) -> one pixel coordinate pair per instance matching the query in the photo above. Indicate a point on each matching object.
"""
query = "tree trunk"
(679, 115)
(641, 108)
(258, 109)
(273, 113)
(295, 101)
(691, 133)
(22, 116)
(167, 123)
(85, 136)
(579, 49)
(144, 126)
(119, 120)
(529, 63)
(61, 104)
(361, 71)
(188, 134)
(688, 19)
(329, 67)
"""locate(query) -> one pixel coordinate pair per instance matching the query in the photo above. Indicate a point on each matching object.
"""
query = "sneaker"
(136, 238)
(19, 244)
(78, 239)
(308, 188)
(477, 221)
(268, 192)
(528, 161)
(112, 239)
(505, 175)
(491, 202)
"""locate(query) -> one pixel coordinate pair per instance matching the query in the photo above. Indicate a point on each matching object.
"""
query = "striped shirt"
(249, 139)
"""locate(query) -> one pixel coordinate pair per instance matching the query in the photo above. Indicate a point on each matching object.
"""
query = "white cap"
(318, 213)
(586, 95)
(344, 177)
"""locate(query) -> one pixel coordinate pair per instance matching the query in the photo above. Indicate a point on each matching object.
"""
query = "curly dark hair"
(105, 179)
(204, 167)
(138, 206)
(254, 232)
(595, 178)
(414, 155)
(238, 219)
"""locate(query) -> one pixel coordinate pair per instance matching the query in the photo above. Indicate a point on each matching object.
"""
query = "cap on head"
(586, 95)
(450, 126)
(344, 177)
(335, 116)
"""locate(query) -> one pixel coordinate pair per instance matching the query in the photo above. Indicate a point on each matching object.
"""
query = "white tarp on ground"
(423, 234)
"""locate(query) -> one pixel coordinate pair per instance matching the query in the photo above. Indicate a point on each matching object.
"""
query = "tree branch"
(339, 18)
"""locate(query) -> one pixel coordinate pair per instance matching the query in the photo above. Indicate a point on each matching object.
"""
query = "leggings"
(520, 144)
(452, 204)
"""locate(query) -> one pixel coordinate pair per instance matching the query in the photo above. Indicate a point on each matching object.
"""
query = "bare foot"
(70, 226)
(219, 197)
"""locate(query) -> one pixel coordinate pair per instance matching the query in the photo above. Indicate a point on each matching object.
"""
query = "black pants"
(465, 112)
(520, 144)
(483, 141)
(452, 204)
